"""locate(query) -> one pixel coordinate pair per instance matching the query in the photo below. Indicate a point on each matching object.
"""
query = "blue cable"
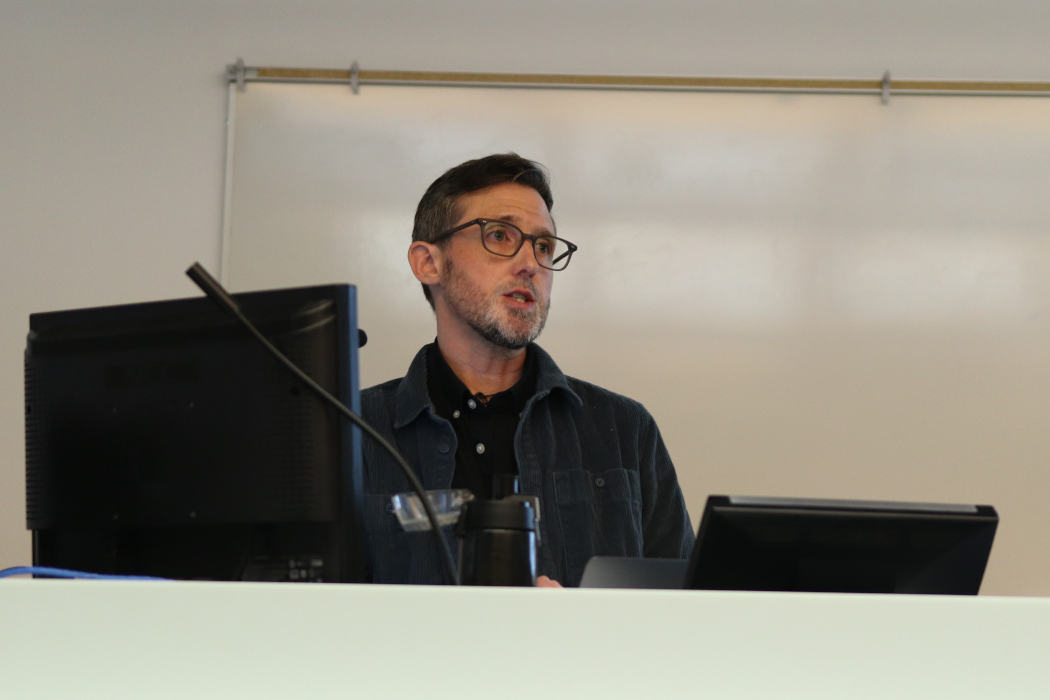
(52, 572)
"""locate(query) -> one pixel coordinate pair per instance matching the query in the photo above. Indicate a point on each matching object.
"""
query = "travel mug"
(497, 545)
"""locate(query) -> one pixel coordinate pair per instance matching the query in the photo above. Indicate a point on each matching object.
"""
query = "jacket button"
(389, 507)
(599, 482)
(443, 448)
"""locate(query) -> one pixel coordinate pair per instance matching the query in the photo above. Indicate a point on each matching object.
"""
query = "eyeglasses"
(505, 239)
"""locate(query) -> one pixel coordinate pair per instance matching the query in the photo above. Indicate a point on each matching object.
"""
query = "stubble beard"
(482, 310)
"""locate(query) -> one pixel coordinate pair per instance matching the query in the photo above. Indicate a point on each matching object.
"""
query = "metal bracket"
(355, 74)
(886, 88)
(236, 72)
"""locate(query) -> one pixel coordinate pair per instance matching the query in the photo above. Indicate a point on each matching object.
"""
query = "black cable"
(220, 296)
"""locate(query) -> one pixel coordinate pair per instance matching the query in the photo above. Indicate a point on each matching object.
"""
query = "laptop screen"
(785, 544)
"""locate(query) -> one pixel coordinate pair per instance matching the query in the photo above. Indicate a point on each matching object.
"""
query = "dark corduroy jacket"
(595, 459)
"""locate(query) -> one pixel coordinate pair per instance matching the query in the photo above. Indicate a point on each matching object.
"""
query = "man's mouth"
(520, 296)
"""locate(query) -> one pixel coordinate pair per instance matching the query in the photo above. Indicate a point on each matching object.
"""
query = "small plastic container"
(447, 505)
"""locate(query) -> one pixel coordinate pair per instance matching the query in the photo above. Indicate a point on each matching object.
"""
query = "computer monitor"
(163, 440)
(797, 544)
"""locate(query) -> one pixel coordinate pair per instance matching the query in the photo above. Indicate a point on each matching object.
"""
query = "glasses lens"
(547, 249)
(500, 238)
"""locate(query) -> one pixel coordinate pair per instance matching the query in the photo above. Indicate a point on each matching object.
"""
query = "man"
(484, 402)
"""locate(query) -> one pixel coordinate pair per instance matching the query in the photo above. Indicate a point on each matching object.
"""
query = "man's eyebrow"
(516, 220)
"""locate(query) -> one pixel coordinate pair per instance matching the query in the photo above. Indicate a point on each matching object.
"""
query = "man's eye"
(497, 234)
(545, 246)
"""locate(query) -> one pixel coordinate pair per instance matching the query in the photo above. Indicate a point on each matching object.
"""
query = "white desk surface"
(87, 639)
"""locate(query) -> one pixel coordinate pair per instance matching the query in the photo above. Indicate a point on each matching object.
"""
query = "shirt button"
(599, 482)
(443, 448)
(480, 448)
(455, 414)
(471, 403)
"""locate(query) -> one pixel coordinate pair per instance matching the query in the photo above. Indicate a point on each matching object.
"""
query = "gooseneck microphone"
(211, 287)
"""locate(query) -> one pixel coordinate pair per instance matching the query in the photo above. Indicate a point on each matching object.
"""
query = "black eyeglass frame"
(567, 255)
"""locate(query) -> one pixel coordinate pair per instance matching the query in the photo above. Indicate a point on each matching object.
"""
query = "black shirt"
(484, 425)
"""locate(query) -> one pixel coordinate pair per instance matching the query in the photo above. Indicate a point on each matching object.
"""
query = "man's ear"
(425, 260)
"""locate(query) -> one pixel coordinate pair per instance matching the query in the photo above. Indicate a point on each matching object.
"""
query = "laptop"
(750, 543)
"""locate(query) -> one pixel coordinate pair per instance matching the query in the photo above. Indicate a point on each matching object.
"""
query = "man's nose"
(525, 259)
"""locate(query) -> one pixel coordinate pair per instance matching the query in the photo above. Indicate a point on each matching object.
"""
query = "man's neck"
(483, 368)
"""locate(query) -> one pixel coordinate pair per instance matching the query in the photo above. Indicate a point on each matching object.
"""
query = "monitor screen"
(795, 544)
(163, 440)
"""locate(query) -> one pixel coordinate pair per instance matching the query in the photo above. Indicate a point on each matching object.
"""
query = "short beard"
(479, 310)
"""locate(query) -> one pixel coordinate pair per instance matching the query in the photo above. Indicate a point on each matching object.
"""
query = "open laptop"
(800, 544)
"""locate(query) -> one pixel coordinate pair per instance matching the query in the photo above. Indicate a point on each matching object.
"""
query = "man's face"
(504, 300)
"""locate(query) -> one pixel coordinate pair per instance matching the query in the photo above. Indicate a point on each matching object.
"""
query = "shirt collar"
(413, 397)
(447, 392)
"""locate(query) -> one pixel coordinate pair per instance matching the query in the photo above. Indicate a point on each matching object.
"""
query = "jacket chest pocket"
(600, 514)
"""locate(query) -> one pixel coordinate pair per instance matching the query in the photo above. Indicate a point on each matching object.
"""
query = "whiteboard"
(815, 295)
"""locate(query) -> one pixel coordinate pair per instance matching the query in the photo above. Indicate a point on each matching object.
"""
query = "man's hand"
(545, 582)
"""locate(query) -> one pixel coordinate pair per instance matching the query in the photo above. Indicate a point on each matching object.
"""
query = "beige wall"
(802, 289)
(112, 133)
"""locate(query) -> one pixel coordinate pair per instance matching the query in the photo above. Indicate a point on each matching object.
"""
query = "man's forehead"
(509, 201)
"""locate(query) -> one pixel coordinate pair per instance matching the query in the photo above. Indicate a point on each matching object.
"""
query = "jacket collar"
(413, 398)
(549, 377)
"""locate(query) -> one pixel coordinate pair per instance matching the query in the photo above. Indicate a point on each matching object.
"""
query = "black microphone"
(214, 290)
(227, 303)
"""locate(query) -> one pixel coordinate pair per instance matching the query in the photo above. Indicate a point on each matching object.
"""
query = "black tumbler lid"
(505, 514)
